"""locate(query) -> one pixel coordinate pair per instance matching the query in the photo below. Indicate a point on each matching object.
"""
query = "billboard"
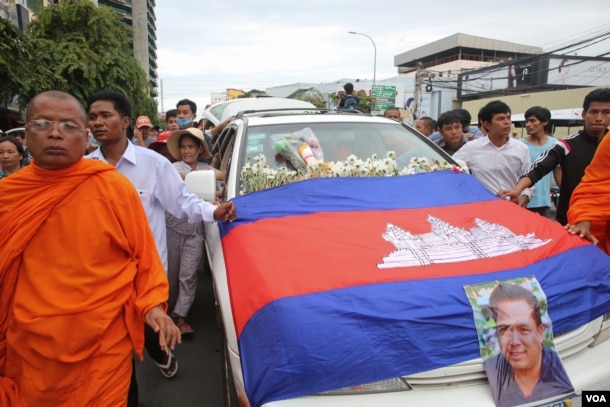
(535, 72)
(565, 70)
(499, 77)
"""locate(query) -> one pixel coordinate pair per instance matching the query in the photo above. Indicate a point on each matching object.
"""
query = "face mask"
(184, 122)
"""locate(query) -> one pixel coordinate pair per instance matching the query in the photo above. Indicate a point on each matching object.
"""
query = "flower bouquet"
(299, 148)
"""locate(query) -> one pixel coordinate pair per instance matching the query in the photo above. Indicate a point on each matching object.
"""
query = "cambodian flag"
(338, 282)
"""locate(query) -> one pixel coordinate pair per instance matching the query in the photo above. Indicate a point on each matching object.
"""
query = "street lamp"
(374, 47)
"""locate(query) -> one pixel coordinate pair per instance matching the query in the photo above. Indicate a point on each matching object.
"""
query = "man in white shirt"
(158, 183)
(497, 160)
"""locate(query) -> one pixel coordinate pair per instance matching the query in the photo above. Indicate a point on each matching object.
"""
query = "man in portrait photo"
(526, 369)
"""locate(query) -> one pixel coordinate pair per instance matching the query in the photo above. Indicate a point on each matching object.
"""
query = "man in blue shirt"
(537, 120)
(525, 370)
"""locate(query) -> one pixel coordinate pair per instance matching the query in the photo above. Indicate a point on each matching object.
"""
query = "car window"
(338, 140)
(226, 142)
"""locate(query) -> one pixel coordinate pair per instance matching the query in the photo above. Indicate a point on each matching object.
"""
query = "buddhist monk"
(78, 278)
(590, 201)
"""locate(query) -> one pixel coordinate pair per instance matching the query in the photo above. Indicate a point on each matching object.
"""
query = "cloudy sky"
(208, 46)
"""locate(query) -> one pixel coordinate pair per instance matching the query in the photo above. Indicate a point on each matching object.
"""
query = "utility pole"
(418, 80)
(375, 55)
(161, 93)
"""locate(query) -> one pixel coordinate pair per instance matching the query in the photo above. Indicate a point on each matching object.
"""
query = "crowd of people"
(124, 297)
(521, 170)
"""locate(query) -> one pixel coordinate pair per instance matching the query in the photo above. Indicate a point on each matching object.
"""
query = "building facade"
(139, 16)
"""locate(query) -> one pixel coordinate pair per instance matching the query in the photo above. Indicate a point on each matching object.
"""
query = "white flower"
(259, 175)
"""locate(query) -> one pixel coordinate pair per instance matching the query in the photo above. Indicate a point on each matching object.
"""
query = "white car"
(218, 112)
(276, 354)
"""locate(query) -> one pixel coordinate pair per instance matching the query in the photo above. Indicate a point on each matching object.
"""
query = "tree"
(16, 68)
(251, 94)
(313, 96)
(84, 49)
(366, 102)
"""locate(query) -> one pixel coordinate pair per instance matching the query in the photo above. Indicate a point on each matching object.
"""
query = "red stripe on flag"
(296, 255)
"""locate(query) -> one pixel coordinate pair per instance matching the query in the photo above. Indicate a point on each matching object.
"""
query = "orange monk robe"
(78, 271)
(590, 201)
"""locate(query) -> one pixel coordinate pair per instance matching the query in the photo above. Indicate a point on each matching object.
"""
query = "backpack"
(350, 102)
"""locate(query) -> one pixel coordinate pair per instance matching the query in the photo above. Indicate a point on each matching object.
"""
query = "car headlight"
(604, 331)
(384, 386)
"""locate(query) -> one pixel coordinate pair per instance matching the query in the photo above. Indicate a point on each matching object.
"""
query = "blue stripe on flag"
(312, 343)
(439, 188)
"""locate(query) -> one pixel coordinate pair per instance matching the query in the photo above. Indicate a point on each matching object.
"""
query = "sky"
(209, 46)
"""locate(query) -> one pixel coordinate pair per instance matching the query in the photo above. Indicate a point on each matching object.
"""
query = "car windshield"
(338, 140)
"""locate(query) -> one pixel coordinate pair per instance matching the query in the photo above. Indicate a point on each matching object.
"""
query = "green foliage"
(16, 62)
(79, 48)
(251, 93)
(366, 102)
(313, 96)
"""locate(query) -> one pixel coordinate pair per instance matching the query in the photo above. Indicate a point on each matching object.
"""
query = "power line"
(488, 73)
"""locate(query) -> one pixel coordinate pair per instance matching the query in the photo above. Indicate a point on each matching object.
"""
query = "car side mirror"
(202, 183)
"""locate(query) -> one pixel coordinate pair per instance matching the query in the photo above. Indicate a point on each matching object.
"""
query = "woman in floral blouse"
(185, 240)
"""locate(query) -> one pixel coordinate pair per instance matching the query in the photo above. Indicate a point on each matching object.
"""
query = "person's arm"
(557, 173)
(590, 201)
(526, 194)
(215, 131)
(583, 229)
(544, 164)
(175, 199)
(161, 323)
(512, 194)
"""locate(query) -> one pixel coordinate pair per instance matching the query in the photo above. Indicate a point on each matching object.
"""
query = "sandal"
(169, 369)
(186, 329)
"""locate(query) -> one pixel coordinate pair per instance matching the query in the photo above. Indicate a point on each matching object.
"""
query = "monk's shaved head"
(58, 95)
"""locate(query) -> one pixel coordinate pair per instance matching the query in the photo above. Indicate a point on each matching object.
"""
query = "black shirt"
(573, 154)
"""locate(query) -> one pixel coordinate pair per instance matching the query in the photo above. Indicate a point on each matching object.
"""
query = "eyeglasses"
(41, 126)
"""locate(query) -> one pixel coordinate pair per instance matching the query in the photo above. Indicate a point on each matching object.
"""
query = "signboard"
(508, 77)
(578, 72)
(554, 70)
(499, 78)
(425, 104)
(384, 97)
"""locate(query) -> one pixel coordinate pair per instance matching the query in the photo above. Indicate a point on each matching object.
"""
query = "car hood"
(344, 281)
